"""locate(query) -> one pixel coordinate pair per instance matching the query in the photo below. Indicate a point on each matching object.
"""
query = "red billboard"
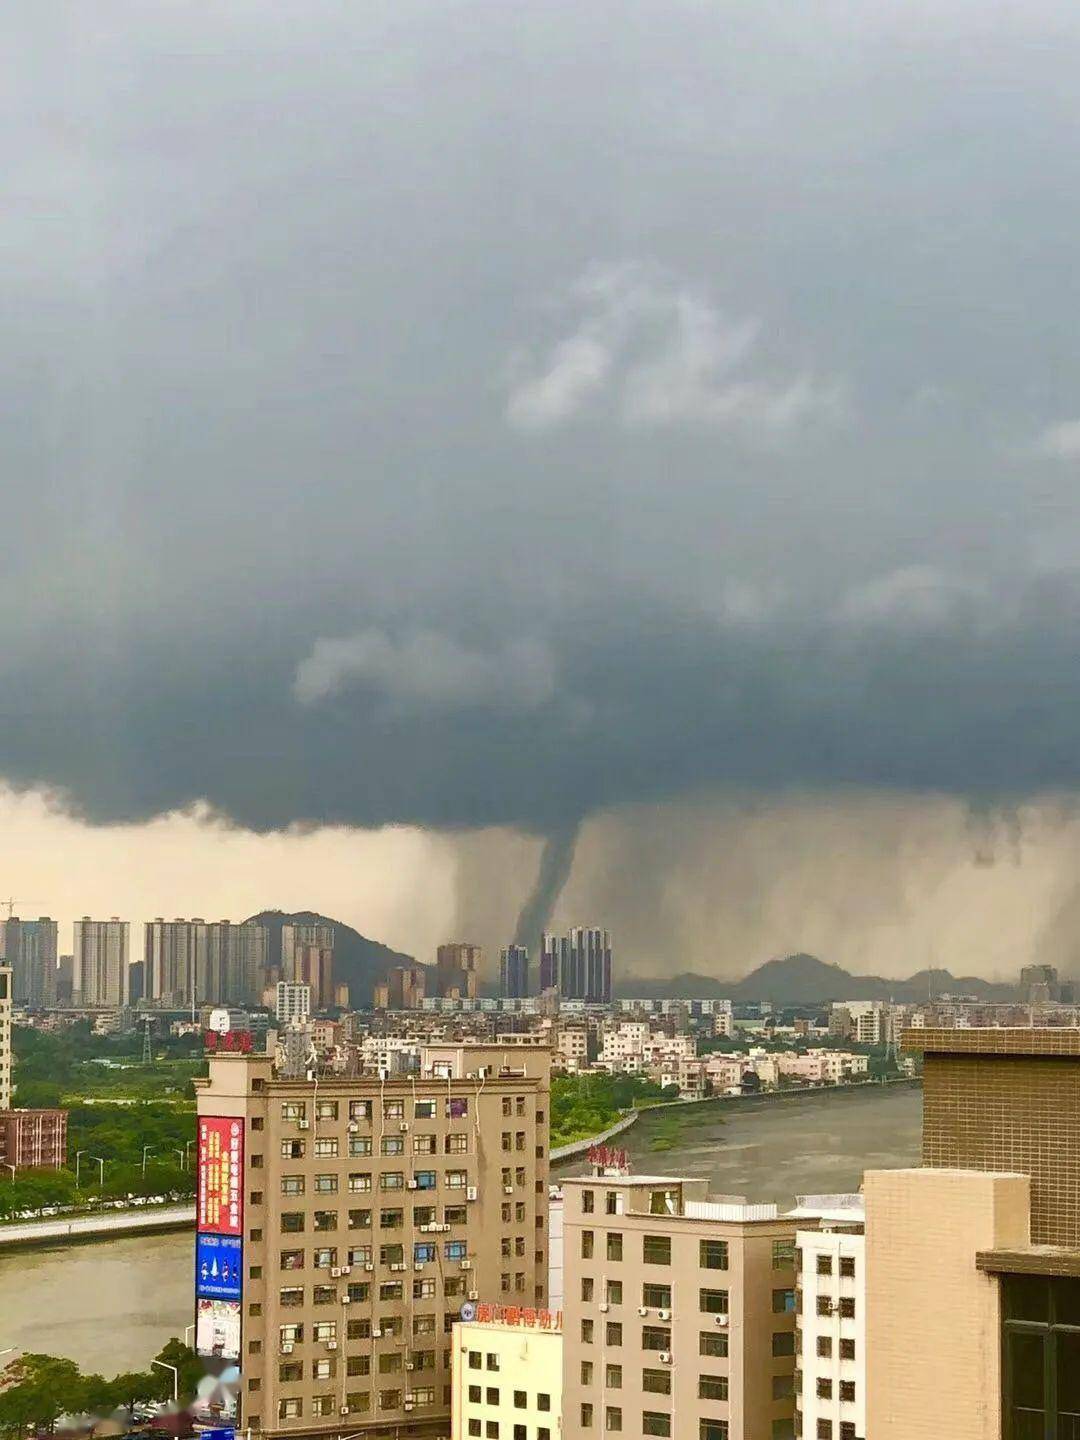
(221, 1176)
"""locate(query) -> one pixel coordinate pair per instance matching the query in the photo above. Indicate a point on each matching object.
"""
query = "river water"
(111, 1305)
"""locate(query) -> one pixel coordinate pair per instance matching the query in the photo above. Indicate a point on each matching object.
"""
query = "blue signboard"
(224, 1432)
(218, 1264)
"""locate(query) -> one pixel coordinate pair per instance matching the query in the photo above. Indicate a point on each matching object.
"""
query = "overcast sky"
(480, 415)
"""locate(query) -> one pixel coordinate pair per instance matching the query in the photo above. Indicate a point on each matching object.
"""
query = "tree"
(38, 1390)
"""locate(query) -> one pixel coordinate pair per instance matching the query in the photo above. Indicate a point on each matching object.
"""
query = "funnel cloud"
(556, 860)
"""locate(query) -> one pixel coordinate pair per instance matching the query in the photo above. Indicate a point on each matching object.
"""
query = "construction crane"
(11, 903)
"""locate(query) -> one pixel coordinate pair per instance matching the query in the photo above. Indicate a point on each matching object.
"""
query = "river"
(111, 1305)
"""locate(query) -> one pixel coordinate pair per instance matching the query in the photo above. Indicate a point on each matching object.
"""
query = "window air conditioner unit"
(412, 1184)
(343, 1409)
(418, 1264)
(665, 1314)
(721, 1319)
(346, 1299)
(331, 1344)
(335, 1271)
(403, 1126)
(409, 1405)
(472, 1193)
(376, 1334)
(369, 1267)
(303, 1124)
(466, 1264)
(444, 1228)
(346, 1269)
(409, 1365)
(604, 1307)
(474, 1294)
(508, 1189)
(286, 1347)
(398, 1268)
(643, 1310)
(665, 1357)
(354, 1126)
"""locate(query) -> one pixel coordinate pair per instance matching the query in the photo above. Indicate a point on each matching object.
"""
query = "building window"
(713, 1302)
(655, 1422)
(656, 1249)
(656, 1297)
(713, 1254)
(655, 1337)
(783, 1302)
(326, 1184)
(326, 1148)
(847, 1307)
(614, 1333)
(586, 1332)
(613, 1418)
(290, 1409)
(359, 1144)
(656, 1382)
(614, 1287)
(292, 1184)
(587, 1244)
(713, 1342)
(824, 1264)
(783, 1254)
(587, 1287)
(824, 1430)
(614, 1245)
(712, 1387)
(783, 1387)
(824, 1346)
(612, 1379)
(847, 1391)
(713, 1430)
(783, 1342)
(586, 1372)
(847, 1266)
(588, 1202)
(824, 1388)
(847, 1349)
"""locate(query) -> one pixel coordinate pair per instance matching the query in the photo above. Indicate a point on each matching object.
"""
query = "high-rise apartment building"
(5, 1037)
(307, 958)
(514, 972)
(193, 962)
(30, 948)
(678, 1312)
(578, 965)
(403, 988)
(344, 1222)
(99, 965)
(457, 970)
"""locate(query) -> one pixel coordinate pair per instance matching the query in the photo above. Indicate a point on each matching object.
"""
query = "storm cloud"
(495, 415)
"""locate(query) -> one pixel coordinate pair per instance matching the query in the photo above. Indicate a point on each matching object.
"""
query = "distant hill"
(806, 980)
(358, 961)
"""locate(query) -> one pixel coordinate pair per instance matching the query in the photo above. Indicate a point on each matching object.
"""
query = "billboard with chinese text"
(218, 1261)
(220, 1202)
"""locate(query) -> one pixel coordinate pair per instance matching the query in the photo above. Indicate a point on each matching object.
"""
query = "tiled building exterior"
(678, 1313)
(372, 1211)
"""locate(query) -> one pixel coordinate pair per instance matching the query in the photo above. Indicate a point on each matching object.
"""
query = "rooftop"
(1042, 1041)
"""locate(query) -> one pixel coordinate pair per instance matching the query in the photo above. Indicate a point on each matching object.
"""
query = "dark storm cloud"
(480, 413)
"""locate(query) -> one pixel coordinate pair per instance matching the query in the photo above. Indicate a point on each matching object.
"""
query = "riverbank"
(106, 1225)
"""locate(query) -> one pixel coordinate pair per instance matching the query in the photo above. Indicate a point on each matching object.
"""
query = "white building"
(292, 1001)
(831, 1398)
(507, 1368)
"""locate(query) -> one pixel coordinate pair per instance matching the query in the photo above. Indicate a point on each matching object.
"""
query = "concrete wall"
(933, 1344)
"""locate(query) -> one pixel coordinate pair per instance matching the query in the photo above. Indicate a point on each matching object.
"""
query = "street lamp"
(78, 1160)
(187, 1147)
(181, 1153)
(175, 1376)
(8, 1166)
(101, 1172)
(146, 1149)
(188, 1330)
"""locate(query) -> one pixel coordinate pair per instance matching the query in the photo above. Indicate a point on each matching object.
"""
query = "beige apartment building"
(99, 963)
(5, 1037)
(973, 1261)
(369, 1212)
(678, 1312)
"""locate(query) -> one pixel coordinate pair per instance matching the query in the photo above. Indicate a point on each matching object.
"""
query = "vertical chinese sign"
(219, 1224)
